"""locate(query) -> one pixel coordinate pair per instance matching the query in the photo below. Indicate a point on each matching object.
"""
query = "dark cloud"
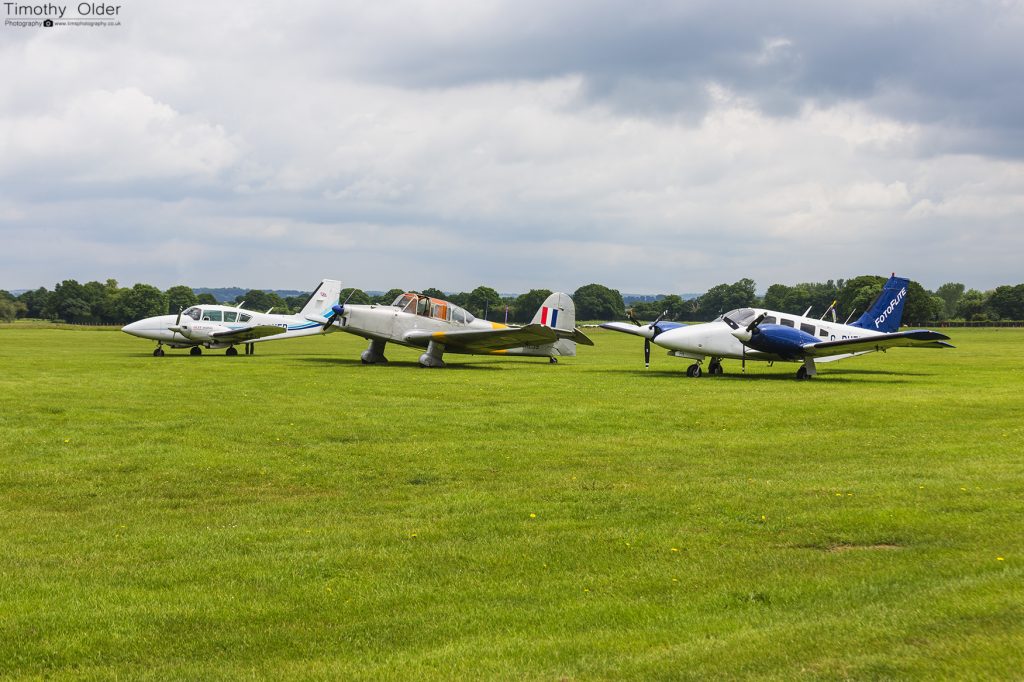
(948, 62)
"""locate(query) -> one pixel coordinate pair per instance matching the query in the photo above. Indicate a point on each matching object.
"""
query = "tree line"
(109, 303)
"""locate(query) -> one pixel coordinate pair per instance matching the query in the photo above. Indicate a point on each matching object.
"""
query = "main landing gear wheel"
(801, 374)
(158, 352)
(693, 371)
(231, 351)
(553, 361)
(196, 350)
(715, 369)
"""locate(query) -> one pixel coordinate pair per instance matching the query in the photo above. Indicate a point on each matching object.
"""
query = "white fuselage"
(716, 339)
(216, 318)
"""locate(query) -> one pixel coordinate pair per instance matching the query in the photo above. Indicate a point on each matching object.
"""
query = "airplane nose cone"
(132, 328)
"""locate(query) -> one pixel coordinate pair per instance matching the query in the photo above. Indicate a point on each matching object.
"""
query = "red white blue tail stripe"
(548, 316)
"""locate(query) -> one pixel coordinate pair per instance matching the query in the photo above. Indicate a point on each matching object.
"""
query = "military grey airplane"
(438, 326)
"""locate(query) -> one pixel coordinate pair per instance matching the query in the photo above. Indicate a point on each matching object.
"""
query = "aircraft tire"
(158, 353)
(196, 350)
(801, 374)
(715, 369)
(232, 351)
(553, 360)
(693, 371)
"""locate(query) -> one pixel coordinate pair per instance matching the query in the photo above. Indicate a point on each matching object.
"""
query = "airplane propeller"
(177, 323)
(745, 334)
(647, 342)
(339, 310)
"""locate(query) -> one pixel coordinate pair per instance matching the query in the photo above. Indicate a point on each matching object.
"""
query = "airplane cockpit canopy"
(215, 314)
(417, 304)
(740, 316)
(407, 302)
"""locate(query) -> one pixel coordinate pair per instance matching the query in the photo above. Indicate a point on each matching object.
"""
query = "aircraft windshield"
(407, 302)
(436, 308)
(740, 315)
(194, 313)
(460, 316)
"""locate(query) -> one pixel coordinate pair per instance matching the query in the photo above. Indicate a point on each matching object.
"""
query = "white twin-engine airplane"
(220, 326)
(438, 326)
(766, 335)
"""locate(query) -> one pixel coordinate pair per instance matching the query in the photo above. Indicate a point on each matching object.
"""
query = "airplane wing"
(629, 328)
(252, 333)
(648, 331)
(483, 340)
(918, 338)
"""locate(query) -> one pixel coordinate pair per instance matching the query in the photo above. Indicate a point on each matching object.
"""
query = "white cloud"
(113, 136)
(654, 148)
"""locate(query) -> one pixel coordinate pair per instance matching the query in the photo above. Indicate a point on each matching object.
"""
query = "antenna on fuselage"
(830, 309)
(240, 304)
(847, 320)
(808, 311)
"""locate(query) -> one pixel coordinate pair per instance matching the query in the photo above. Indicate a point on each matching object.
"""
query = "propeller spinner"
(177, 323)
(744, 334)
(339, 310)
(647, 342)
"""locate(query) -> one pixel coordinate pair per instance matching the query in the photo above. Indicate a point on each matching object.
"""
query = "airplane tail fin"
(322, 298)
(558, 312)
(886, 312)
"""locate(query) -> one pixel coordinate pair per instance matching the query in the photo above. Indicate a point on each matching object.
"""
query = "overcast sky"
(655, 147)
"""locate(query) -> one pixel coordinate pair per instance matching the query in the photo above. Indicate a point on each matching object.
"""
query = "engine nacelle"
(201, 330)
(777, 339)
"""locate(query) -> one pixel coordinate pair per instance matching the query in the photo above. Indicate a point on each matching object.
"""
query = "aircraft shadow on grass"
(355, 362)
(832, 376)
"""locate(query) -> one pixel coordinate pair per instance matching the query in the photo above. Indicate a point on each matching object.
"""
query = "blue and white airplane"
(767, 335)
(221, 326)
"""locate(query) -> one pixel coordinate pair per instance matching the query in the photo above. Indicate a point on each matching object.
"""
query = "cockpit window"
(460, 315)
(194, 313)
(416, 304)
(212, 315)
(407, 302)
(740, 315)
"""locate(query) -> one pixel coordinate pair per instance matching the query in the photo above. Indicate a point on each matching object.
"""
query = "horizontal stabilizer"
(576, 336)
(917, 338)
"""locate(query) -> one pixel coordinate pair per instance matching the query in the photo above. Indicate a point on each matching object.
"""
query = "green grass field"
(296, 514)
